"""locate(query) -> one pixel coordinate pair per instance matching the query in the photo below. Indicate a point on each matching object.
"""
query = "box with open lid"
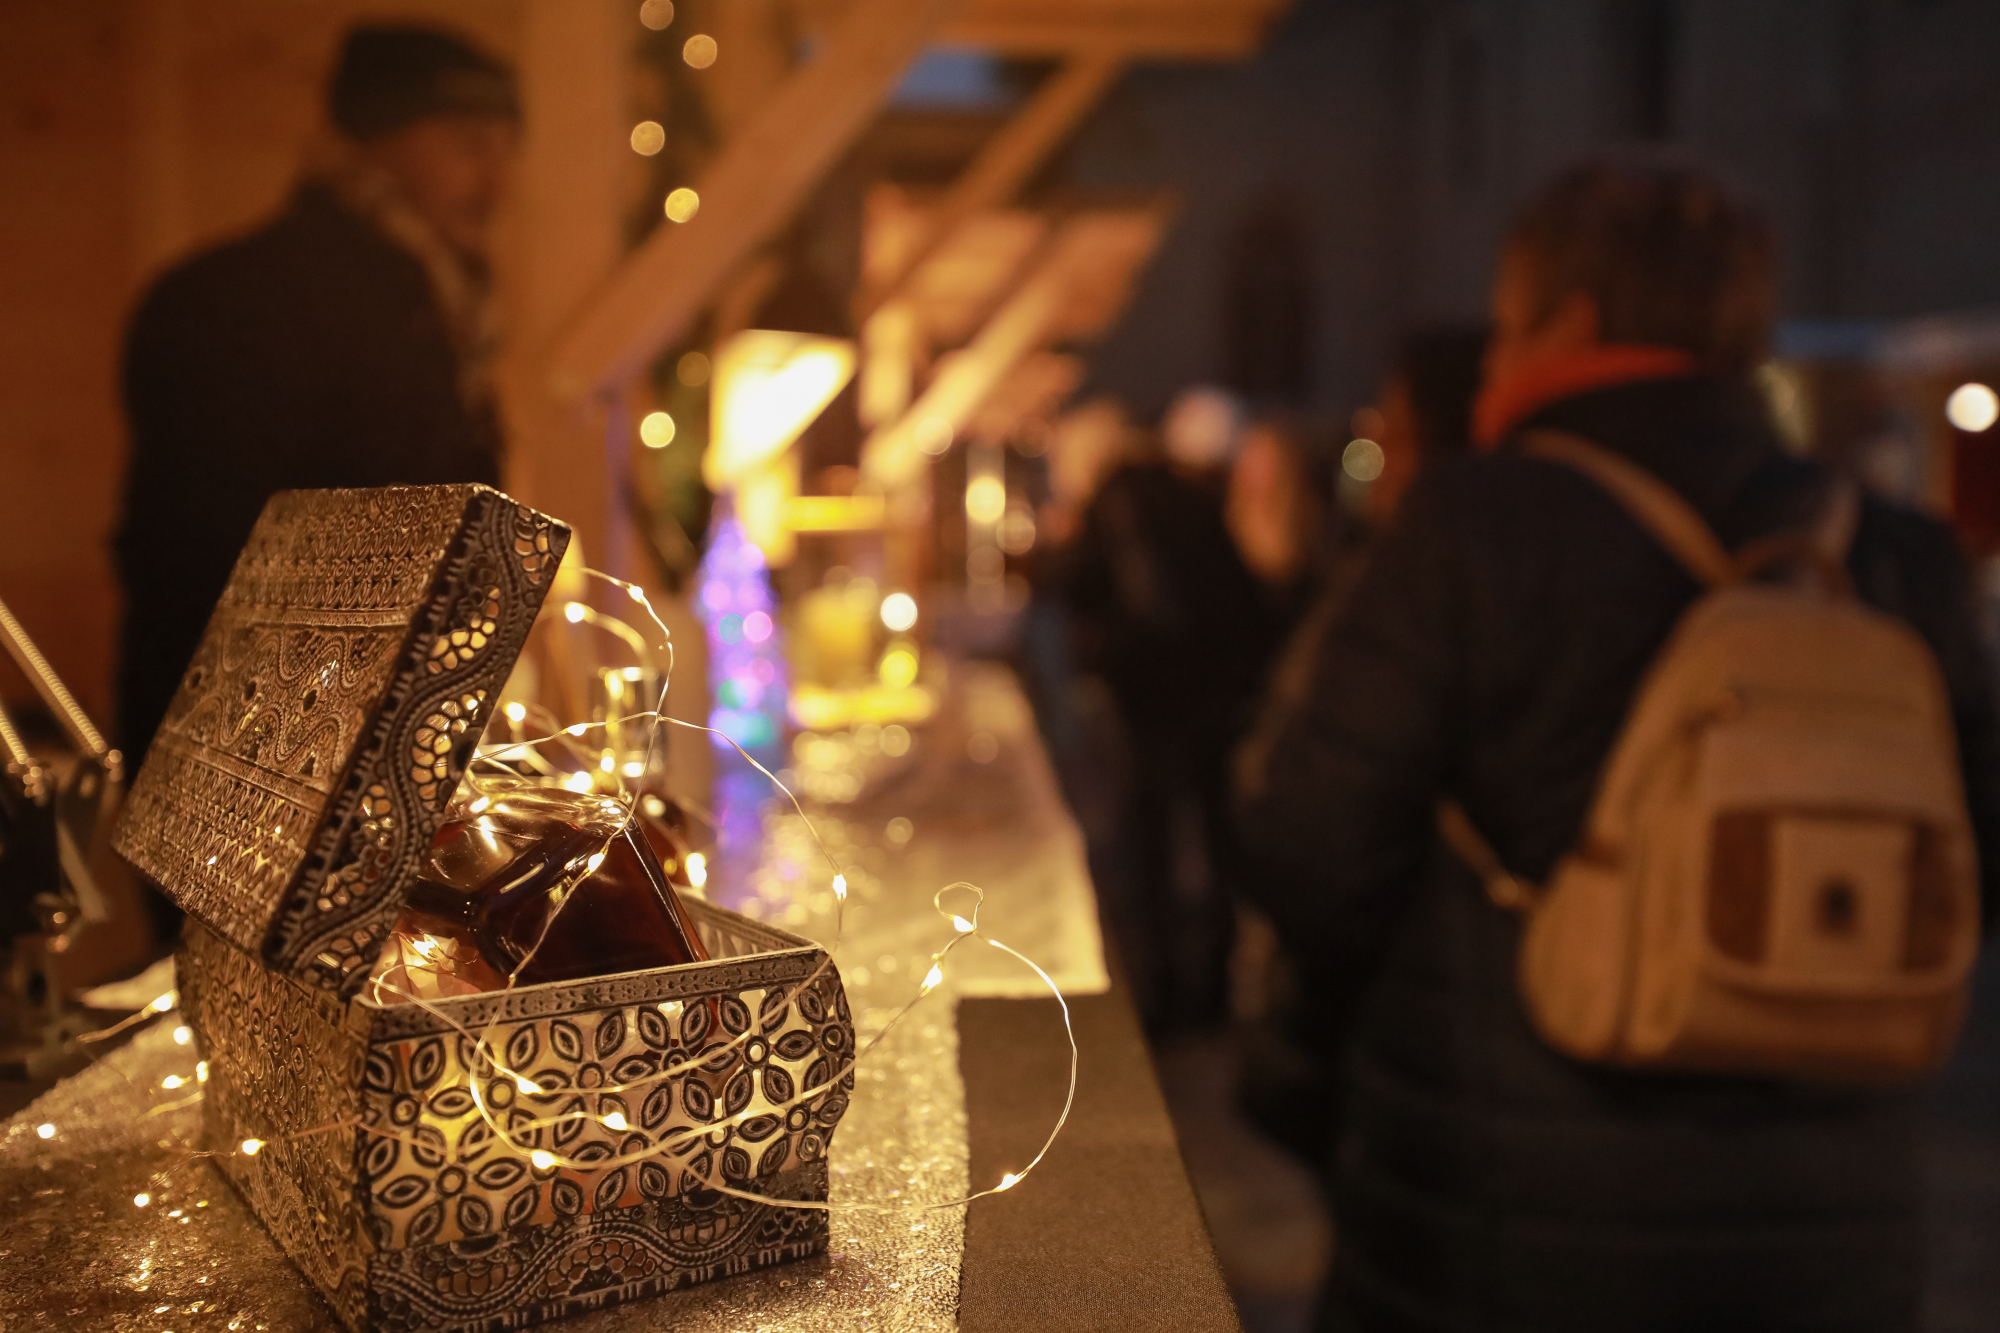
(483, 1160)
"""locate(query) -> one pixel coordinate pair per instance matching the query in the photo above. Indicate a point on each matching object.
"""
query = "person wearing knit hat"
(346, 342)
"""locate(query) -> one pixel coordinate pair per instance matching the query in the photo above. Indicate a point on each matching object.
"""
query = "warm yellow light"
(577, 728)
(656, 14)
(899, 667)
(1973, 407)
(172, 1081)
(633, 769)
(899, 611)
(1362, 460)
(985, 499)
(682, 204)
(251, 1147)
(517, 713)
(183, 1035)
(899, 830)
(590, 866)
(141, 1200)
(480, 804)
(692, 369)
(575, 612)
(656, 429)
(201, 1070)
(699, 51)
(46, 1131)
(895, 740)
(525, 1085)
(165, 1002)
(961, 925)
(934, 435)
(607, 762)
(933, 978)
(648, 137)
(697, 868)
(616, 1121)
(769, 386)
(840, 887)
(542, 1158)
(1008, 1181)
(577, 782)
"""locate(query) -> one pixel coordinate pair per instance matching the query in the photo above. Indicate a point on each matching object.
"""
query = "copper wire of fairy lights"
(965, 926)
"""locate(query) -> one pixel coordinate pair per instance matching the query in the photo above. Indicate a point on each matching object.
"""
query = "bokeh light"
(899, 611)
(648, 137)
(1362, 460)
(656, 429)
(700, 51)
(682, 204)
(1972, 407)
(693, 369)
(656, 14)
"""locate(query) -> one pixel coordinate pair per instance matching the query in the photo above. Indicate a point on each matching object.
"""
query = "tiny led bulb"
(183, 1035)
(577, 728)
(616, 1121)
(840, 886)
(525, 1085)
(932, 978)
(163, 1003)
(1008, 1181)
(590, 866)
(46, 1131)
(141, 1200)
(575, 612)
(516, 711)
(251, 1147)
(697, 868)
(607, 762)
(961, 925)
(201, 1071)
(542, 1158)
(481, 804)
(172, 1081)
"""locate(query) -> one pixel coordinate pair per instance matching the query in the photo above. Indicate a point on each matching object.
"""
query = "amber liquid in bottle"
(554, 885)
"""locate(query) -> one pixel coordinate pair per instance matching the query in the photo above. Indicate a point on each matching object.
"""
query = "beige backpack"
(1777, 875)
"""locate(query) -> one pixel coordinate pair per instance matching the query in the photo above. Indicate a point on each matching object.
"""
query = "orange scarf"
(1502, 406)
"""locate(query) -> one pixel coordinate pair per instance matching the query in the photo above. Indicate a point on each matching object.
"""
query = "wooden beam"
(1007, 160)
(746, 194)
(1091, 251)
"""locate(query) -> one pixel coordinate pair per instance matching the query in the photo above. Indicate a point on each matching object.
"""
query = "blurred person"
(1488, 656)
(347, 342)
(1288, 1084)
(1426, 406)
(1165, 612)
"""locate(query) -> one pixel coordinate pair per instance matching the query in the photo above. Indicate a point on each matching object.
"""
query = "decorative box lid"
(330, 711)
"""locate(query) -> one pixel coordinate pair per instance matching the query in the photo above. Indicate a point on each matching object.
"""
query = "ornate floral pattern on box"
(413, 1214)
(329, 712)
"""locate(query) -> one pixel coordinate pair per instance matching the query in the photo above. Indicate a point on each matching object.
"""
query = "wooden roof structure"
(951, 257)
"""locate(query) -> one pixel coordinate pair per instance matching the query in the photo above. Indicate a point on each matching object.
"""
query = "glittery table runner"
(77, 1252)
(971, 799)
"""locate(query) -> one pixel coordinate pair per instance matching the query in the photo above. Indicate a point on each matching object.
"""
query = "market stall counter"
(117, 1218)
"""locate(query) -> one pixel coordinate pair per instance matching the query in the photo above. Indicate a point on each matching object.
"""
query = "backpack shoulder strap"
(1656, 505)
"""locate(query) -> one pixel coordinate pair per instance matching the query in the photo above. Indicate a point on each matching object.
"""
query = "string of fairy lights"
(962, 917)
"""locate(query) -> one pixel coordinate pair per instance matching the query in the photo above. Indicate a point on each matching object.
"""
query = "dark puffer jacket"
(310, 353)
(1490, 654)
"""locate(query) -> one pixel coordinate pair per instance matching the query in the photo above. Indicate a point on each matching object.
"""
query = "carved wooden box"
(488, 1161)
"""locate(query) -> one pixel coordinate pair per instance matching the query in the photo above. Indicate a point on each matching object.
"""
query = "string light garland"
(963, 923)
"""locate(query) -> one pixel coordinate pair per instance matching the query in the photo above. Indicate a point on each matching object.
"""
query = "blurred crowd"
(1274, 658)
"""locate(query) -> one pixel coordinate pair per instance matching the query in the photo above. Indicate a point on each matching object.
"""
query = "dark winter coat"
(310, 353)
(1490, 654)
